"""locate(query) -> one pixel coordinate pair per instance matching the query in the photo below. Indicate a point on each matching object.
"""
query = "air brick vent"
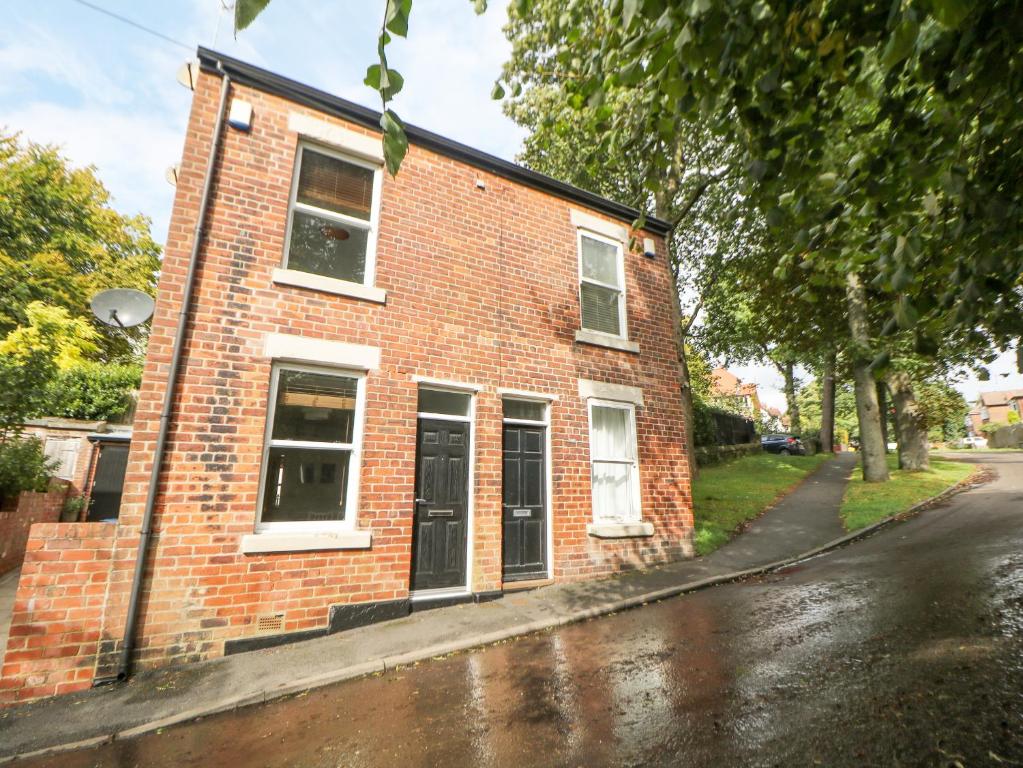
(270, 622)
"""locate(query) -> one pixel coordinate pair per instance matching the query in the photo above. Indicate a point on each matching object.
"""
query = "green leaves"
(629, 10)
(396, 15)
(246, 11)
(900, 44)
(395, 141)
(951, 13)
(497, 92)
(905, 313)
(388, 82)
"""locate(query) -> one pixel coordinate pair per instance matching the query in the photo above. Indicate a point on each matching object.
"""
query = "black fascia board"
(264, 80)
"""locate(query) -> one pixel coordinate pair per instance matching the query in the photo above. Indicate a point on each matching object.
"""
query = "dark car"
(782, 444)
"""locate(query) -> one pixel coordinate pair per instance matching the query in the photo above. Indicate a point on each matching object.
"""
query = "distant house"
(994, 408)
(729, 391)
(774, 420)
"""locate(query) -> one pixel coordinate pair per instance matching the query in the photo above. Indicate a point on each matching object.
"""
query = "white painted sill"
(329, 285)
(262, 543)
(619, 530)
(598, 339)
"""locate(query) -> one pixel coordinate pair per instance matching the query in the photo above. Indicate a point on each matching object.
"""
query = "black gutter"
(146, 529)
(269, 82)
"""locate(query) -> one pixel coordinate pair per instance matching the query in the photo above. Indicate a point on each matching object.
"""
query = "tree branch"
(697, 193)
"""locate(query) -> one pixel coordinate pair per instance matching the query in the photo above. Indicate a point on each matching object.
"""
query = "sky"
(106, 92)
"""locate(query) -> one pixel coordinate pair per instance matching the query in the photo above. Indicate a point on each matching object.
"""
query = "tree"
(876, 141)
(92, 391)
(61, 243)
(27, 363)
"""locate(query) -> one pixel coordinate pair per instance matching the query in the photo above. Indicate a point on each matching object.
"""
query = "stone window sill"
(619, 530)
(598, 339)
(329, 285)
(262, 543)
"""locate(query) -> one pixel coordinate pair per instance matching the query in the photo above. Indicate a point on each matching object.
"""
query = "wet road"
(905, 649)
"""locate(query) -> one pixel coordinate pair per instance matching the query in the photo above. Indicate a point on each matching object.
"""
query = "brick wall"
(18, 516)
(57, 611)
(482, 287)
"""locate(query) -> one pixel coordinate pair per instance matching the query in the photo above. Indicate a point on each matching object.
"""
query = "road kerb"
(387, 663)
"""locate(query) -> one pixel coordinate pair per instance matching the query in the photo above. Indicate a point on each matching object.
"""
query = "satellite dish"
(122, 307)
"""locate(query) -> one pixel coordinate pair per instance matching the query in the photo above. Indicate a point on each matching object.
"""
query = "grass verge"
(727, 495)
(866, 503)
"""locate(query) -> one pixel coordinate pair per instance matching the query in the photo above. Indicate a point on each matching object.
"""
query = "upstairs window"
(333, 216)
(602, 285)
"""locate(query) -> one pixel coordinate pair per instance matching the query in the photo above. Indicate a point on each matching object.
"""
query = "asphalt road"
(905, 649)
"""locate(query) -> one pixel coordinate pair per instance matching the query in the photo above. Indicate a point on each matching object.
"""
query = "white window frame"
(623, 325)
(372, 226)
(636, 513)
(354, 464)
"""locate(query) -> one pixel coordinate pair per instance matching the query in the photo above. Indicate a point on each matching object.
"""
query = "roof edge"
(264, 80)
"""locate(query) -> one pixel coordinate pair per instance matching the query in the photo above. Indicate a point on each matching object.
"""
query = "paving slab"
(806, 518)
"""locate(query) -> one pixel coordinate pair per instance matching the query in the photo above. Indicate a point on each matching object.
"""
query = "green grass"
(866, 503)
(727, 495)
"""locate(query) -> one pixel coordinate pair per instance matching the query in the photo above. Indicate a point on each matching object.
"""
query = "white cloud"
(129, 150)
(37, 52)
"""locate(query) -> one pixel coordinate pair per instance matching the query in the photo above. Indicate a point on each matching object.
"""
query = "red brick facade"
(482, 287)
(19, 515)
(58, 611)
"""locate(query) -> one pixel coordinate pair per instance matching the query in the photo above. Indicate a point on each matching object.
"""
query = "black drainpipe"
(128, 642)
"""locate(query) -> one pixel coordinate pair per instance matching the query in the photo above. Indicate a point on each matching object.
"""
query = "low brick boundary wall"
(58, 611)
(20, 516)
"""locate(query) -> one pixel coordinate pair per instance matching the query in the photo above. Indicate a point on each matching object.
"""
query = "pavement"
(803, 524)
(8, 587)
(904, 649)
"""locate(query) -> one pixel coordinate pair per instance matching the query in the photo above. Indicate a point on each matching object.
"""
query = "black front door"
(442, 485)
(525, 534)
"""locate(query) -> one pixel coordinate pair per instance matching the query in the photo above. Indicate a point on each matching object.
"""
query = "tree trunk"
(882, 409)
(688, 413)
(872, 447)
(662, 209)
(910, 424)
(788, 370)
(828, 405)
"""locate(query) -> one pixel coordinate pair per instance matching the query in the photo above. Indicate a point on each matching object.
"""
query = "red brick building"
(437, 386)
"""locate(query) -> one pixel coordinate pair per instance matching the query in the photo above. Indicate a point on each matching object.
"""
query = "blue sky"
(106, 93)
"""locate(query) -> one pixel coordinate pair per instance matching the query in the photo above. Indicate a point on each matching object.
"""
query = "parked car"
(784, 445)
(973, 441)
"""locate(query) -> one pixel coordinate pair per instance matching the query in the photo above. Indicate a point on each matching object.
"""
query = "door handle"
(421, 501)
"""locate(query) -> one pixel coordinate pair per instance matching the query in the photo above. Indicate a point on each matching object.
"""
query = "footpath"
(802, 524)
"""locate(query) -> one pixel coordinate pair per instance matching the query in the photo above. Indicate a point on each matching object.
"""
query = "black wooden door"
(108, 483)
(442, 491)
(525, 491)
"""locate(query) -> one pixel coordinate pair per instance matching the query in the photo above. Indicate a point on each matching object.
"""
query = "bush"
(716, 426)
(704, 427)
(1013, 417)
(93, 391)
(23, 466)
